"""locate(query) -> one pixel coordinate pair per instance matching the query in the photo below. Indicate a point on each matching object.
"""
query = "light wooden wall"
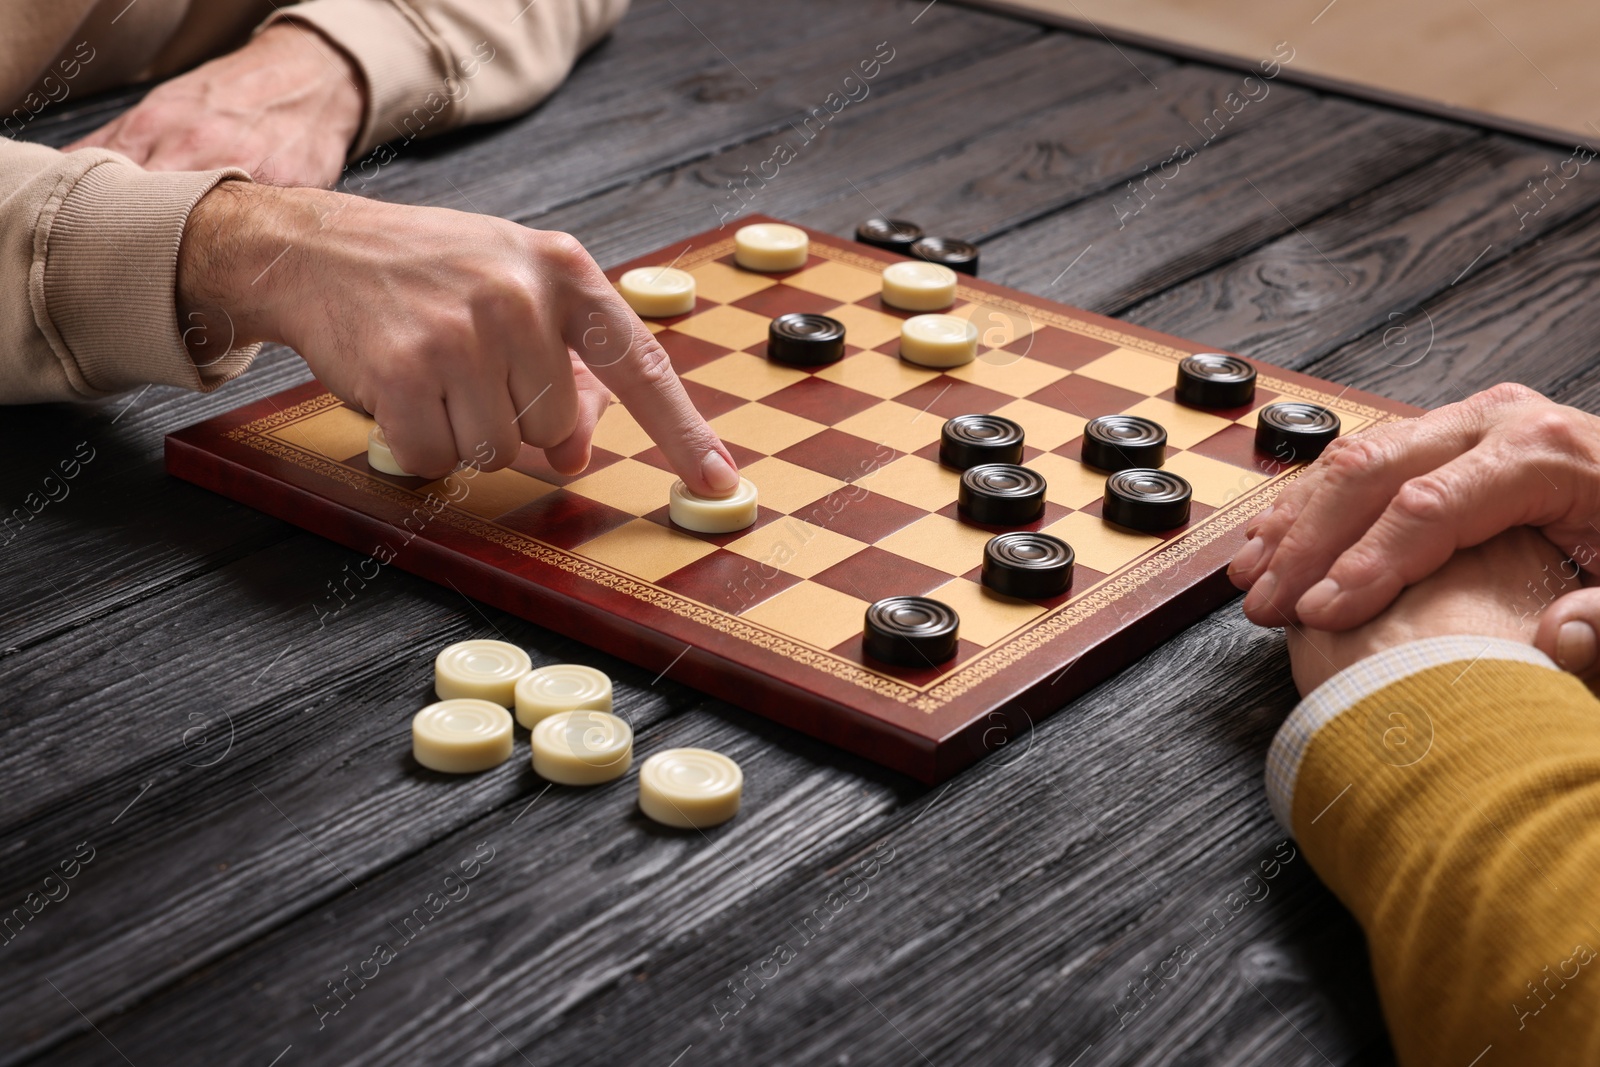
(1522, 66)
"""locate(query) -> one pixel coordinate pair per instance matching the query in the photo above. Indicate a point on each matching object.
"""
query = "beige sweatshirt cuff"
(407, 94)
(104, 279)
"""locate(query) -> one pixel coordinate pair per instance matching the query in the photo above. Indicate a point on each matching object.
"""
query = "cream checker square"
(727, 326)
(876, 374)
(627, 485)
(866, 328)
(837, 281)
(785, 486)
(1214, 482)
(724, 284)
(618, 432)
(337, 433)
(936, 541)
(1007, 372)
(1098, 545)
(1068, 482)
(1185, 427)
(915, 481)
(1043, 427)
(897, 425)
(645, 549)
(745, 375)
(490, 493)
(986, 616)
(764, 429)
(796, 547)
(1128, 369)
(811, 613)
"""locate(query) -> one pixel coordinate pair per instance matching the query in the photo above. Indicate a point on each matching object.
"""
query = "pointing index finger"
(627, 358)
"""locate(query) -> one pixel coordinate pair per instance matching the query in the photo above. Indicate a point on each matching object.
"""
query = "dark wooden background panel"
(243, 776)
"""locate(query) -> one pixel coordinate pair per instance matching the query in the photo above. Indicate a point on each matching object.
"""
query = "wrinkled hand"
(285, 107)
(1495, 589)
(463, 335)
(1384, 509)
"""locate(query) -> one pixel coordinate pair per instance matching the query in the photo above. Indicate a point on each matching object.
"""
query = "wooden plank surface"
(241, 774)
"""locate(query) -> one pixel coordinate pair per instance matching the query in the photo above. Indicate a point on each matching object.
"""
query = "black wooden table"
(220, 848)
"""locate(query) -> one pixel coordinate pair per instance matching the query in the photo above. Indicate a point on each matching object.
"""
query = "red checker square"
(838, 454)
(1237, 445)
(689, 352)
(711, 402)
(781, 299)
(851, 649)
(1083, 579)
(1262, 397)
(741, 455)
(811, 261)
(764, 515)
(728, 581)
(875, 303)
(820, 400)
(565, 519)
(531, 461)
(873, 574)
(1053, 512)
(1086, 397)
(857, 513)
(1060, 348)
(947, 397)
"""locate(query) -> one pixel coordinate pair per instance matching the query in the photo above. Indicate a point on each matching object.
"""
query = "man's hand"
(463, 335)
(1384, 509)
(285, 107)
(1495, 589)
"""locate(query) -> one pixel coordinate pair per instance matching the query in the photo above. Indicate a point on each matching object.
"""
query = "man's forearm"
(237, 237)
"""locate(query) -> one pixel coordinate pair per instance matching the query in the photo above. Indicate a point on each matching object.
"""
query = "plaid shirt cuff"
(1358, 682)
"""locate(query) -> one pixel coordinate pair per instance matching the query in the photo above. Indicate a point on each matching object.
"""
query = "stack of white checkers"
(575, 738)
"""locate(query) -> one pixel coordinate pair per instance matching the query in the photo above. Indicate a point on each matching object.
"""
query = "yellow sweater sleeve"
(1456, 812)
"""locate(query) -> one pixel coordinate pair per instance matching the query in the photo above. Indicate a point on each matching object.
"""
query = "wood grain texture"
(1061, 899)
(1017, 906)
(1369, 267)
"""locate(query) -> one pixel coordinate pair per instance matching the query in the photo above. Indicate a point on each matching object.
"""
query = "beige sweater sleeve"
(89, 249)
(89, 241)
(433, 65)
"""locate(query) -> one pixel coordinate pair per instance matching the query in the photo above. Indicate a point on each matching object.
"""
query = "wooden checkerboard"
(854, 507)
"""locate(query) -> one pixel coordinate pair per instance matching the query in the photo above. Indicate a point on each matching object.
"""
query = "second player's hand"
(285, 107)
(463, 335)
(1384, 509)
(1496, 589)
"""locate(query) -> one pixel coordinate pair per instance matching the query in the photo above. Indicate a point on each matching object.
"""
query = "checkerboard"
(854, 507)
